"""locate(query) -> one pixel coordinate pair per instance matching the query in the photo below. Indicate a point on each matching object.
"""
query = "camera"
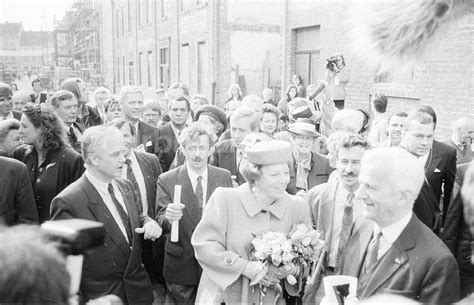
(74, 236)
(332, 63)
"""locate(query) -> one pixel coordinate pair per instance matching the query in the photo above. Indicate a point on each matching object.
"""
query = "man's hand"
(151, 230)
(174, 211)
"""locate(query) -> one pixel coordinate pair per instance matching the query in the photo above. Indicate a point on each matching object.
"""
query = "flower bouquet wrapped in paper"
(286, 257)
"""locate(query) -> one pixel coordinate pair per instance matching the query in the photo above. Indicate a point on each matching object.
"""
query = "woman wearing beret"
(234, 216)
(51, 161)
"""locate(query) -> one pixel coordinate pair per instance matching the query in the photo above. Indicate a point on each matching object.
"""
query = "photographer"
(337, 76)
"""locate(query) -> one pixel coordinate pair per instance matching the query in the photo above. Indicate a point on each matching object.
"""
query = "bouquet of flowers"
(287, 256)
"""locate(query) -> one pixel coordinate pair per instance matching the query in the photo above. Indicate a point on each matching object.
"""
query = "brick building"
(314, 30)
(207, 44)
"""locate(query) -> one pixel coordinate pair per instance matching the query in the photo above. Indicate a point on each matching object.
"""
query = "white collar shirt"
(340, 199)
(137, 172)
(102, 189)
(390, 234)
(193, 177)
(423, 159)
(176, 131)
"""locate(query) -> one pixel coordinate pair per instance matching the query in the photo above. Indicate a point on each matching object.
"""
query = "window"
(163, 8)
(202, 71)
(139, 12)
(164, 67)
(185, 65)
(123, 23)
(184, 5)
(118, 69)
(307, 54)
(130, 73)
(123, 70)
(129, 15)
(400, 76)
(117, 22)
(147, 11)
(148, 67)
(140, 70)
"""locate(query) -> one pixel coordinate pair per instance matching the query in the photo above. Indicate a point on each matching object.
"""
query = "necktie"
(372, 252)
(122, 213)
(199, 192)
(136, 188)
(347, 220)
(137, 136)
(72, 135)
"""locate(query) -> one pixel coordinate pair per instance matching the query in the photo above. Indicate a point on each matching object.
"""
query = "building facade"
(315, 30)
(206, 44)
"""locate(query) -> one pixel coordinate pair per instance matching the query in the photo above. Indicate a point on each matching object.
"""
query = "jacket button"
(114, 263)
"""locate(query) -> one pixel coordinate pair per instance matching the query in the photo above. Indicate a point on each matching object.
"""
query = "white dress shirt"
(193, 177)
(102, 189)
(137, 172)
(340, 199)
(391, 233)
(423, 159)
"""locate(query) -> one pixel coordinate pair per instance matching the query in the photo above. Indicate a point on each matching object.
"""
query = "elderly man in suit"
(142, 170)
(228, 153)
(390, 250)
(333, 208)
(168, 134)
(198, 180)
(17, 202)
(308, 168)
(461, 139)
(146, 136)
(439, 161)
(100, 195)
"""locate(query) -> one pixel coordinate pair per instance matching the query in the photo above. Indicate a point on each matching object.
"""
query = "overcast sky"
(34, 14)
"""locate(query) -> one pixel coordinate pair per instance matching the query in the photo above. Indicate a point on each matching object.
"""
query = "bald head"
(390, 179)
(348, 120)
(463, 130)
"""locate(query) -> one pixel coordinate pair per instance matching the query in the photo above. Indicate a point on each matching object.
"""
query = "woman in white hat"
(308, 168)
(234, 216)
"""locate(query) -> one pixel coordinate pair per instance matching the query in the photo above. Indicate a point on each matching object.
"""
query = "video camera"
(331, 64)
(74, 236)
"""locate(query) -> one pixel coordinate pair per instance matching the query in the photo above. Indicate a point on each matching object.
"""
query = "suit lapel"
(393, 260)
(188, 198)
(326, 213)
(357, 247)
(103, 215)
(314, 170)
(212, 180)
(147, 172)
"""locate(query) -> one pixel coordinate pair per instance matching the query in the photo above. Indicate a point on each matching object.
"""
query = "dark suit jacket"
(418, 265)
(151, 169)
(43, 98)
(72, 137)
(440, 171)
(167, 145)
(90, 117)
(318, 174)
(17, 202)
(180, 265)
(457, 234)
(114, 267)
(16, 115)
(60, 168)
(224, 156)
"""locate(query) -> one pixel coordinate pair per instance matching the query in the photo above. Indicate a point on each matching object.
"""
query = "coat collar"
(252, 207)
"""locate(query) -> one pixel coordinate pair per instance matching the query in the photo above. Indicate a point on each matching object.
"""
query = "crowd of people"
(390, 201)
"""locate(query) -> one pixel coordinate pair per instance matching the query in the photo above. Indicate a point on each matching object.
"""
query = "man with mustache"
(333, 208)
(198, 181)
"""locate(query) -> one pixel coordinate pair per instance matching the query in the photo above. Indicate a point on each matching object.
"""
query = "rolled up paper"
(175, 224)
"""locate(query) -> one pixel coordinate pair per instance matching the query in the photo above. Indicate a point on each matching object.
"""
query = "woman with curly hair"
(50, 160)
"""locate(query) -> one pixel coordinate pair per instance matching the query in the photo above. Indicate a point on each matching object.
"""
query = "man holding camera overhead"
(100, 195)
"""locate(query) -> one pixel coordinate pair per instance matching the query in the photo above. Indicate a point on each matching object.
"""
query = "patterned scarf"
(303, 166)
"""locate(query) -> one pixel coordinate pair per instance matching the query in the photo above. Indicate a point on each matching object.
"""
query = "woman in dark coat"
(50, 160)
